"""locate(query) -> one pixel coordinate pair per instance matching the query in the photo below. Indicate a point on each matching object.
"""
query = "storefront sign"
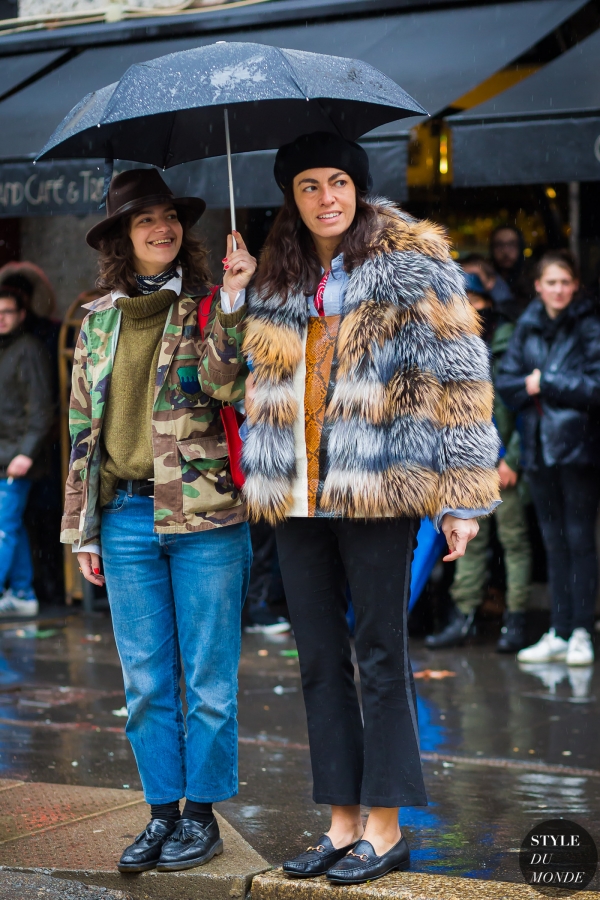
(48, 189)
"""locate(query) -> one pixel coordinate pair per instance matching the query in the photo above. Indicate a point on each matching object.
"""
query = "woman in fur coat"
(370, 408)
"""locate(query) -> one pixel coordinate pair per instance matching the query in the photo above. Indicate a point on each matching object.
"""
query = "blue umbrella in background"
(427, 552)
(226, 98)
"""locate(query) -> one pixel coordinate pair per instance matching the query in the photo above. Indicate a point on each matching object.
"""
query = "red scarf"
(320, 294)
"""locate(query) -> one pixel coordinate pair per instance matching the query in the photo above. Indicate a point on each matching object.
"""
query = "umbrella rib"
(292, 71)
(303, 90)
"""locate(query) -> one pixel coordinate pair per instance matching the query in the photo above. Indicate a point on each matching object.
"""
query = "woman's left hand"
(458, 533)
(239, 267)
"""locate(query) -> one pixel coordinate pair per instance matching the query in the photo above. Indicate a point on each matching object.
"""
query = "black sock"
(198, 812)
(168, 811)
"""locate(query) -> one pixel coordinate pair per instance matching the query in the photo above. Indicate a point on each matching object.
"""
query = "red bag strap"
(204, 308)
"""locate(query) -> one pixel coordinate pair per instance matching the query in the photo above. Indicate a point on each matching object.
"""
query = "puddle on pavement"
(531, 735)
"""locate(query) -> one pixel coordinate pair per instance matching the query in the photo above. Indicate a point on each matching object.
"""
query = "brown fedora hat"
(134, 190)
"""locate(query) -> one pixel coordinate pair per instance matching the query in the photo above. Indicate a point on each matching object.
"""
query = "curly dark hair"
(117, 270)
(289, 261)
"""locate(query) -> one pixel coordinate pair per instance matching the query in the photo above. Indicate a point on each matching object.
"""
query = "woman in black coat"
(550, 374)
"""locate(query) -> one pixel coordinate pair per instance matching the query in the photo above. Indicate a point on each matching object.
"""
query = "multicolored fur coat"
(410, 415)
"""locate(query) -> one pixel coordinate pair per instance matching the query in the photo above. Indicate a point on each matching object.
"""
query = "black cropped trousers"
(373, 760)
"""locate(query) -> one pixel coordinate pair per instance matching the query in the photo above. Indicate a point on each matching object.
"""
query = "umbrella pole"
(230, 174)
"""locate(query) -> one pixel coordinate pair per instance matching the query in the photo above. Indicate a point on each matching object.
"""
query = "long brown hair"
(117, 271)
(289, 261)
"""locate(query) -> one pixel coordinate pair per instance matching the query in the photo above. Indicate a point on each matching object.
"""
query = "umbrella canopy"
(171, 110)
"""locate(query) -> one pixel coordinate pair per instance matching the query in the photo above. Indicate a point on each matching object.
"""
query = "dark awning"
(436, 56)
(75, 187)
(14, 70)
(544, 129)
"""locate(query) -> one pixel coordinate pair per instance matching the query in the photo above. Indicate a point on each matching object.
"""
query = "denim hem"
(205, 798)
(169, 798)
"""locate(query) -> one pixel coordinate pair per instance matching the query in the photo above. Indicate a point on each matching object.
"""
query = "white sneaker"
(549, 648)
(12, 605)
(580, 651)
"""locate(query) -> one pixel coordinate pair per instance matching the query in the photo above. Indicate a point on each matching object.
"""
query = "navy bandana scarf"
(148, 284)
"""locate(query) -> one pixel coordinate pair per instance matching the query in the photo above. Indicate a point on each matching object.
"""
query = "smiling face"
(156, 234)
(326, 201)
(556, 287)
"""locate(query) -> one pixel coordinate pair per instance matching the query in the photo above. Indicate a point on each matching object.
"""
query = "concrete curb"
(400, 886)
(78, 833)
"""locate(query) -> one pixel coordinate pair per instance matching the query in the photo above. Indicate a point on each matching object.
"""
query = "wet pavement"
(504, 746)
(27, 886)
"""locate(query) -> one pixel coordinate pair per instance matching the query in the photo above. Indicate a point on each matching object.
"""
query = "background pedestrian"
(507, 246)
(26, 414)
(550, 375)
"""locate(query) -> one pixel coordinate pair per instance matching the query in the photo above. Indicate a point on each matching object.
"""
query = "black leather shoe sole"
(291, 873)
(369, 876)
(137, 867)
(176, 866)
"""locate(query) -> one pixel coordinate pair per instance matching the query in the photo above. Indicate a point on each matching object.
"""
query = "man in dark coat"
(26, 411)
(507, 252)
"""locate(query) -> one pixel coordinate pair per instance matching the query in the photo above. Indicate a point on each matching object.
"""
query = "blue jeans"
(15, 553)
(176, 601)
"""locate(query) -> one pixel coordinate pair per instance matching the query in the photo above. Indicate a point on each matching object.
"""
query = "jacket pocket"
(205, 473)
(203, 448)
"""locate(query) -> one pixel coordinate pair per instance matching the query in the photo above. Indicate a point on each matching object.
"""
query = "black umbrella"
(227, 98)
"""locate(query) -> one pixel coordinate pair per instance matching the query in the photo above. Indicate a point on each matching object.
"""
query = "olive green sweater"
(127, 430)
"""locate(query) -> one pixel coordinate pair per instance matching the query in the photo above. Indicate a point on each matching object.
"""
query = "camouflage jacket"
(195, 377)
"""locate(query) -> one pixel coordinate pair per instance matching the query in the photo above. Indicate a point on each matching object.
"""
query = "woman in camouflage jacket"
(150, 491)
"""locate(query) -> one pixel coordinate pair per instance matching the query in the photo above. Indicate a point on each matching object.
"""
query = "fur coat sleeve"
(410, 417)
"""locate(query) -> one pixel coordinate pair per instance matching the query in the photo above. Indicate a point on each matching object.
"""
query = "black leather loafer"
(190, 845)
(362, 864)
(145, 851)
(316, 860)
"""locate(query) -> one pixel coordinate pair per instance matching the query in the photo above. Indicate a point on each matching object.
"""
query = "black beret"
(322, 150)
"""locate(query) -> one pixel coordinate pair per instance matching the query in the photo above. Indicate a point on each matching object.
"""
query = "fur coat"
(410, 416)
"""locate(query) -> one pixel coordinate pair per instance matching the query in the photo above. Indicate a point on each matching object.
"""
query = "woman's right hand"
(89, 566)
(239, 267)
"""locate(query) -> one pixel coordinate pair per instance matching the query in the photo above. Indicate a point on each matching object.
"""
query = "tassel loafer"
(145, 851)
(362, 863)
(316, 860)
(191, 844)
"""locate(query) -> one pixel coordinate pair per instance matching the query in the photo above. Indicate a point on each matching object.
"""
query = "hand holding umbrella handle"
(239, 266)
